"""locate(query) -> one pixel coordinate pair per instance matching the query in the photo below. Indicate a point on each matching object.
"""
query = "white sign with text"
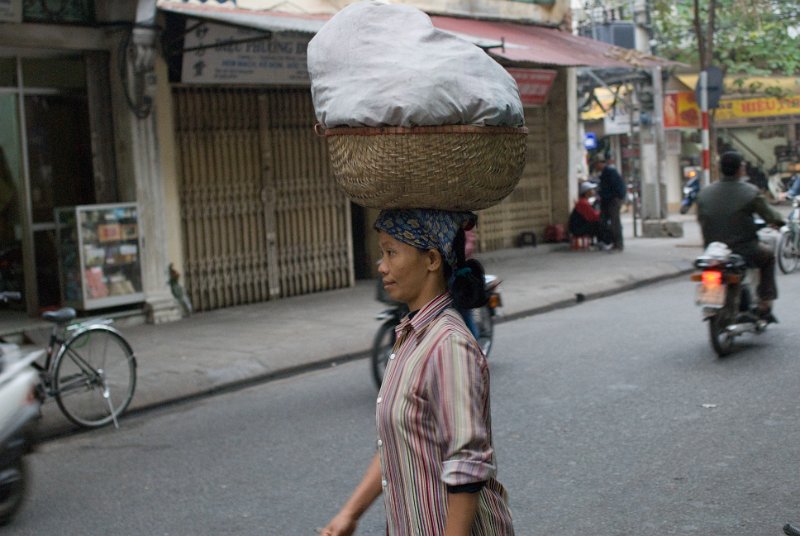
(243, 56)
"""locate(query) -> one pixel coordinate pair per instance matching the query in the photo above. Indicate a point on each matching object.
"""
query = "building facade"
(199, 114)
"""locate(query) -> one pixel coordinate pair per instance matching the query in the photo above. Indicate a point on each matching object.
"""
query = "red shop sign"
(534, 85)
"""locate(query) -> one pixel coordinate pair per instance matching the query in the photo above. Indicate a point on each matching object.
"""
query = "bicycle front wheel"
(94, 377)
(788, 254)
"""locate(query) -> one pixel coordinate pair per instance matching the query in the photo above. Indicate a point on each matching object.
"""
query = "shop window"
(61, 73)
(64, 11)
(8, 72)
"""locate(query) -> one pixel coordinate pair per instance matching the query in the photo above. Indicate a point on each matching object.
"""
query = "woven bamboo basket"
(455, 167)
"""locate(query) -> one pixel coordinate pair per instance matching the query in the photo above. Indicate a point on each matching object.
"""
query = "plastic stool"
(580, 243)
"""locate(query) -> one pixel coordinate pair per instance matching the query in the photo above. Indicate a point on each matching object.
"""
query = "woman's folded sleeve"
(459, 390)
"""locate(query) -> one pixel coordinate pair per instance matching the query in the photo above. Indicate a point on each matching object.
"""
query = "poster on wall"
(681, 111)
(10, 10)
(243, 56)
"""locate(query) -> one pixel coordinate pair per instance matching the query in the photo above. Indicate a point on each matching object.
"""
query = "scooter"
(690, 191)
(19, 411)
(483, 318)
(726, 297)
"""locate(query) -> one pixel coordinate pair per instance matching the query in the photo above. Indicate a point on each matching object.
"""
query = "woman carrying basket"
(435, 464)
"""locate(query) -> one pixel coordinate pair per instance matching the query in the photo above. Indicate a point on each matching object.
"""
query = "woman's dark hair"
(467, 284)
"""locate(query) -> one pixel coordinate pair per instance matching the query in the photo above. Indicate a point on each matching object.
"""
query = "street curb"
(321, 364)
(581, 298)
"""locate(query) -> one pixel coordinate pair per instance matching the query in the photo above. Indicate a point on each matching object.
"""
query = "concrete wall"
(562, 117)
(169, 170)
(749, 138)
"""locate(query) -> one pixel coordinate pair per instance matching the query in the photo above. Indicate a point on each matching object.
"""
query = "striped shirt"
(434, 426)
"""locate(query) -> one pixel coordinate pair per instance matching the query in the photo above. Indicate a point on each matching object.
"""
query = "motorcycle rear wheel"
(788, 254)
(382, 346)
(12, 490)
(721, 340)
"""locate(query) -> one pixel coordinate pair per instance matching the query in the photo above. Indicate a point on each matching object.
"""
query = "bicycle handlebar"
(8, 295)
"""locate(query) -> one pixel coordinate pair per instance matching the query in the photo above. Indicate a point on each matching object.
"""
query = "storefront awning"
(517, 43)
(539, 45)
(269, 21)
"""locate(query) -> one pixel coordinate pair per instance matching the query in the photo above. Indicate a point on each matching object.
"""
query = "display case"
(98, 252)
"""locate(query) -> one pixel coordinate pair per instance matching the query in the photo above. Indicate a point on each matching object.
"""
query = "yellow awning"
(751, 84)
(606, 98)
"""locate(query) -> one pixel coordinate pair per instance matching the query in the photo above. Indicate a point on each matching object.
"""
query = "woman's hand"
(341, 525)
(344, 523)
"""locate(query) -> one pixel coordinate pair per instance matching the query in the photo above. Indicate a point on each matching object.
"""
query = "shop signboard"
(681, 110)
(617, 121)
(241, 57)
(534, 85)
(10, 10)
(757, 108)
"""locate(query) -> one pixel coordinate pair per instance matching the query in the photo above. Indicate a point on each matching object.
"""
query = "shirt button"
(391, 356)
(379, 400)
(380, 443)
(384, 483)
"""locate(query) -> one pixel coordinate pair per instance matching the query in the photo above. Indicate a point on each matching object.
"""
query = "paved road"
(611, 418)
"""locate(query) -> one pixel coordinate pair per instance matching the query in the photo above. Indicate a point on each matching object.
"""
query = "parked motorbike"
(19, 410)
(690, 191)
(726, 295)
(383, 343)
(788, 251)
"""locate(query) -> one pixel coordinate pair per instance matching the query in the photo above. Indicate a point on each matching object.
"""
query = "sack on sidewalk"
(555, 232)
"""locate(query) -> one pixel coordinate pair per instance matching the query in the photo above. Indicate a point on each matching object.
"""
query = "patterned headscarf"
(426, 229)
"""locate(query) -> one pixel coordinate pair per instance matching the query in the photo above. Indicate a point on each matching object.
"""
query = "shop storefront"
(75, 140)
(204, 124)
(764, 127)
(52, 154)
(243, 128)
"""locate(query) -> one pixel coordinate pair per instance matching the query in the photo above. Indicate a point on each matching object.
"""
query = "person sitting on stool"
(584, 220)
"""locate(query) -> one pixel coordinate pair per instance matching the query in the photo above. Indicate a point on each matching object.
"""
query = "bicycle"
(89, 368)
(788, 252)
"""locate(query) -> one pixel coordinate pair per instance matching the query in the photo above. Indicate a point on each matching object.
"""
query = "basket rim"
(418, 130)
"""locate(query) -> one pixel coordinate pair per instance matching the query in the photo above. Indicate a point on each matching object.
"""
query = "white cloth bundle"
(376, 65)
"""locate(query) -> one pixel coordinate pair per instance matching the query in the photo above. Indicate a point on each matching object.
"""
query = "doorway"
(45, 162)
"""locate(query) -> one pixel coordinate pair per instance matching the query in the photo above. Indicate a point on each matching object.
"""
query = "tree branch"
(698, 32)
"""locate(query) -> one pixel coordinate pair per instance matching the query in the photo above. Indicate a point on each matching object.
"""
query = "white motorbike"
(19, 411)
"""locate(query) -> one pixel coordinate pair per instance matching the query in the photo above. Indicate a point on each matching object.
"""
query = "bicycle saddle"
(62, 316)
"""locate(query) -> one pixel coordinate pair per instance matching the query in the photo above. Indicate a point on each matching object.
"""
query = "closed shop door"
(261, 216)
(529, 206)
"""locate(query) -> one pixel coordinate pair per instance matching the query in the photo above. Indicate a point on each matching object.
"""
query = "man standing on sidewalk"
(612, 192)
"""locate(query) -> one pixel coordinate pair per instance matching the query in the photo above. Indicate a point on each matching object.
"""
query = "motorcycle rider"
(725, 211)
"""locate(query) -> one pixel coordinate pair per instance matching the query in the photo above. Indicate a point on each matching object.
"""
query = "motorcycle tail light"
(712, 278)
(494, 301)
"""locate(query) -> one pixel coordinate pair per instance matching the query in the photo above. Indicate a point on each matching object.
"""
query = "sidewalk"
(226, 348)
